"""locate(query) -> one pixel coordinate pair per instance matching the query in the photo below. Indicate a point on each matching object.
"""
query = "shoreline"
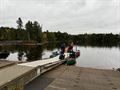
(15, 42)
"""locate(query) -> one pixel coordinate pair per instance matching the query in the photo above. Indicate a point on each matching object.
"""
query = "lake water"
(92, 57)
(99, 57)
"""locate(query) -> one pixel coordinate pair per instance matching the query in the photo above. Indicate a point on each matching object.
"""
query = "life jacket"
(72, 54)
(70, 48)
(77, 53)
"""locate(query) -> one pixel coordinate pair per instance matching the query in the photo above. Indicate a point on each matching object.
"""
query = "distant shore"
(20, 42)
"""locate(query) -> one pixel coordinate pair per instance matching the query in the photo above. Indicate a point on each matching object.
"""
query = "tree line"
(97, 39)
(33, 32)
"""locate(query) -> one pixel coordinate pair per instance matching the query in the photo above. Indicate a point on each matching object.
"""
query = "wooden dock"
(16, 76)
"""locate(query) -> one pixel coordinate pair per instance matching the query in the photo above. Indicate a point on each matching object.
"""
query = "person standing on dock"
(70, 50)
(62, 56)
(63, 48)
(70, 47)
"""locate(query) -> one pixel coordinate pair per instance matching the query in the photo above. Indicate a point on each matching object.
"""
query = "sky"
(71, 16)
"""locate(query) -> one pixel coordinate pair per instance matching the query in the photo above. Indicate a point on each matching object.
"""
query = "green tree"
(29, 27)
(34, 31)
(37, 31)
(20, 23)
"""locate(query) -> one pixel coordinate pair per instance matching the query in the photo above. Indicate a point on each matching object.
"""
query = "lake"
(92, 57)
(99, 57)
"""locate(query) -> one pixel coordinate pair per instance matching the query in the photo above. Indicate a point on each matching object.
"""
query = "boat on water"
(71, 60)
(54, 54)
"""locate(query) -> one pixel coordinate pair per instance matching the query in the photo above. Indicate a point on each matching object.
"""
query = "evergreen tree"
(29, 27)
(20, 23)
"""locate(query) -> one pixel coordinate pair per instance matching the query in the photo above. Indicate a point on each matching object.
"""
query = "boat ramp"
(40, 75)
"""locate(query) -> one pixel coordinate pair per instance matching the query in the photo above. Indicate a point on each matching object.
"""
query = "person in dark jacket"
(62, 56)
(63, 48)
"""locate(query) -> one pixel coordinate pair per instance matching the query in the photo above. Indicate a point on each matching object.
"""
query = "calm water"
(93, 57)
(101, 58)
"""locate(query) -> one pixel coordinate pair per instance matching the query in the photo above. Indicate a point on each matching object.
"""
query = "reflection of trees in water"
(4, 54)
(31, 52)
(34, 53)
(99, 45)
(53, 45)
(50, 46)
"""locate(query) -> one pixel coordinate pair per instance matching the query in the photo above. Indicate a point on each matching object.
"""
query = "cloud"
(80, 16)
(4, 4)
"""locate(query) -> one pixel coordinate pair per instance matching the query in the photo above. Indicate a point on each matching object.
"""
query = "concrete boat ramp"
(40, 75)
(76, 78)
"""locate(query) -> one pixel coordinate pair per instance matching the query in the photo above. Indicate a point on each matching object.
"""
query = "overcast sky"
(72, 16)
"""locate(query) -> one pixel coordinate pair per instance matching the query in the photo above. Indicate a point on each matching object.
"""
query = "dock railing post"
(40, 70)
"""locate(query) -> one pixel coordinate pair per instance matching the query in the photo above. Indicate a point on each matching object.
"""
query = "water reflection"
(31, 52)
(34, 53)
(106, 57)
(99, 57)
(100, 45)
(4, 54)
(26, 53)
(51, 46)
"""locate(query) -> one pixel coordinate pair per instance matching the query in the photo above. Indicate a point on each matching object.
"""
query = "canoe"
(71, 61)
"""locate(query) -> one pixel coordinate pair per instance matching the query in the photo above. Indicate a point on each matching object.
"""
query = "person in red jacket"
(70, 47)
